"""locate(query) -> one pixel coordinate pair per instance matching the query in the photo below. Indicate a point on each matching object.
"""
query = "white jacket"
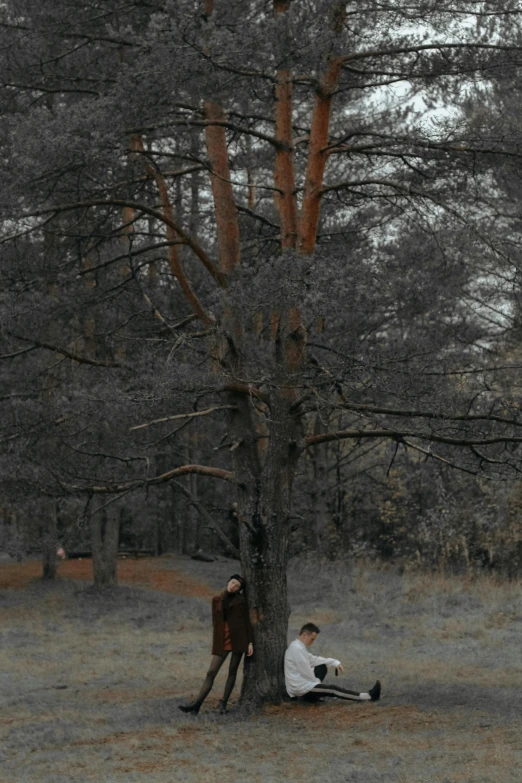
(299, 668)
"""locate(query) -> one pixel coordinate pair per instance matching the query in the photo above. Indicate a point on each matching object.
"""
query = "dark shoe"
(222, 707)
(375, 692)
(193, 708)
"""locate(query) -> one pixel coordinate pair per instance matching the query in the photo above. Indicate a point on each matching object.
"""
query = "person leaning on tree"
(304, 672)
(232, 633)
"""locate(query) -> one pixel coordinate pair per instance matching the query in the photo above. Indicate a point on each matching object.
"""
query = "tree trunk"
(264, 505)
(157, 536)
(193, 520)
(264, 674)
(104, 538)
(48, 535)
(264, 558)
(320, 511)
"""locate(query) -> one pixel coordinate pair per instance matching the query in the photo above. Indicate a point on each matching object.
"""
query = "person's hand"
(250, 649)
(340, 668)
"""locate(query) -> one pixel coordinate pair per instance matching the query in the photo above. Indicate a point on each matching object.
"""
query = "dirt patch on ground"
(126, 695)
(341, 716)
(145, 572)
(158, 744)
(17, 575)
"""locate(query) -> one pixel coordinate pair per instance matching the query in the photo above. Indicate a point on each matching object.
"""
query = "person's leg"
(335, 691)
(320, 672)
(215, 665)
(235, 660)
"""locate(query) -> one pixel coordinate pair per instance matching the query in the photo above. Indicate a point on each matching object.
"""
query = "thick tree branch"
(284, 174)
(425, 414)
(315, 440)
(125, 486)
(224, 204)
(317, 157)
(173, 253)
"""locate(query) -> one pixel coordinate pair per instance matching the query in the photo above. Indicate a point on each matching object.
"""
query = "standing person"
(304, 672)
(232, 633)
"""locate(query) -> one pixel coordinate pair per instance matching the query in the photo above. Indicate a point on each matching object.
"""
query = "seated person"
(304, 672)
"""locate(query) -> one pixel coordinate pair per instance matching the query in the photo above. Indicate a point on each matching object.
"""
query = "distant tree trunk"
(104, 540)
(340, 493)
(192, 518)
(157, 536)
(48, 534)
(320, 522)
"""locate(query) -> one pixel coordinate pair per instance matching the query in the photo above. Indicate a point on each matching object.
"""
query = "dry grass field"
(90, 684)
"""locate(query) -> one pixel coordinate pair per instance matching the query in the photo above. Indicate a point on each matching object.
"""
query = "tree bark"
(284, 176)
(317, 157)
(105, 530)
(264, 558)
(320, 515)
(264, 513)
(264, 477)
(264, 503)
(319, 132)
(224, 204)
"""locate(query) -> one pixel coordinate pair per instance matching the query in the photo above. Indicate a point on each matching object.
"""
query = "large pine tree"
(269, 212)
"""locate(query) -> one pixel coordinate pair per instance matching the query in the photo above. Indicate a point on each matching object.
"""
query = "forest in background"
(260, 288)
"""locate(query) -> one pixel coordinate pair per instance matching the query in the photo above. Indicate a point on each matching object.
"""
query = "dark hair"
(240, 579)
(309, 628)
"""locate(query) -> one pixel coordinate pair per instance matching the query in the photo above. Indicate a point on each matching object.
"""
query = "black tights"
(329, 690)
(215, 665)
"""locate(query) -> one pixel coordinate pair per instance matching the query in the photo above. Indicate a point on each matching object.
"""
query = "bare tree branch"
(138, 206)
(326, 437)
(63, 352)
(184, 416)
(412, 414)
(206, 516)
(426, 48)
(438, 458)
(218, 123)
(19, 353)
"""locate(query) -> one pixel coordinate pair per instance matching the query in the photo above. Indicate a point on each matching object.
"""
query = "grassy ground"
(90, 685)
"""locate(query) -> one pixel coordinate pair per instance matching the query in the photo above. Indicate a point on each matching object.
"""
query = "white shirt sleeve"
(316, 660)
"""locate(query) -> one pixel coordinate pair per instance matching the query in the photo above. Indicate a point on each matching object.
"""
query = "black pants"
(215, 665)
(333, 691)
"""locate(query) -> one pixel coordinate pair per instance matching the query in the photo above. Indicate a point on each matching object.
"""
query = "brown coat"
(238, 623)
